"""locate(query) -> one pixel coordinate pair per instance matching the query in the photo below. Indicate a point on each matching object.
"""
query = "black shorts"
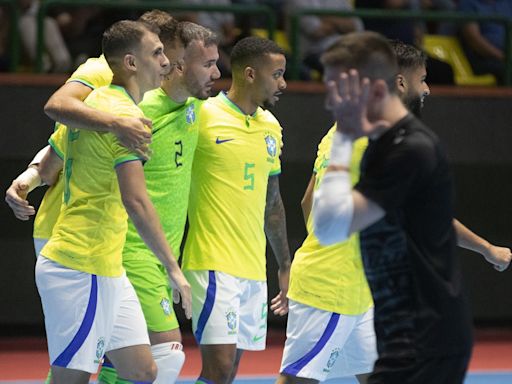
(445, 370)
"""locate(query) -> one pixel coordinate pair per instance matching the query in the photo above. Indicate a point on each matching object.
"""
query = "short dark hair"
(368, 52)
(408, 56)
(167, 24)
(123, 37)
(249, 50)
(190, 32)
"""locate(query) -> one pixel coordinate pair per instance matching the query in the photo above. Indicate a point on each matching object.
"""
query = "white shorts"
(39, 244)
(87, 315)
(228, 310)
(323, 345)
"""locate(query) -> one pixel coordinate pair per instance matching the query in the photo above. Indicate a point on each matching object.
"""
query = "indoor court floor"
(24, 361)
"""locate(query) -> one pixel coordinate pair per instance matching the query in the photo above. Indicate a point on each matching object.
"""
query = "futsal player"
(234, 203)
(80, 268)
(174, 110)
(403, 208)
(332, 335)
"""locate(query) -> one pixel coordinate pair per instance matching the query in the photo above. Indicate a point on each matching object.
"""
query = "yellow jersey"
(90, 231)
(235, 155)
(332, 277)
(94, 73)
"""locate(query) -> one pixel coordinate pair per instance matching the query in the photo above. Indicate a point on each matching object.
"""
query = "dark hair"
(167, 24)
(123, 37)
(408, 56)
(189, 32)
(249, 50)
(368, 52)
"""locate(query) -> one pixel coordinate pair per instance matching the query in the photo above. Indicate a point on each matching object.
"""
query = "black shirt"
(421, 309)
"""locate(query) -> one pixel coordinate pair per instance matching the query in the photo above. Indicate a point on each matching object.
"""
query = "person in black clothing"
(403, 208)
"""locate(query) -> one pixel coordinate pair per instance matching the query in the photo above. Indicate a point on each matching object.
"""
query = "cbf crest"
(271, 145)
(231, 319)
(100, 349)
(166, 306)
(332, 359)
(190, 114)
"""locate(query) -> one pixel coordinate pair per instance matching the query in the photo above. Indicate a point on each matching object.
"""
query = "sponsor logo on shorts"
(100, 349)
(231, 317)
(332, 359)
(166, 306)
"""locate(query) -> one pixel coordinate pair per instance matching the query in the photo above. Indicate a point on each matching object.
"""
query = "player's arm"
(478, 42)
(275, 229)
(499, 257)
(132, 185)
(16, 194)
(50, 167)
(340, 210)
(67, 107)
(307, 200)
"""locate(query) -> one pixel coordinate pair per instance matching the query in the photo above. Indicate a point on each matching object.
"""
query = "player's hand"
(499, 257)
(181, 287)
(16, 198)
(135, 134)
(347, 99)
(279, 304)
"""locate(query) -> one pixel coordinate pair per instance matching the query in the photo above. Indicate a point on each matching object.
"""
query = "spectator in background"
(56, 57)
(407, 31)
(403, 30)
(223, 25)
(484, 42)
(319, 32)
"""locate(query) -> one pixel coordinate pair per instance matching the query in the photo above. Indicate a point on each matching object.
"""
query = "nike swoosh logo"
(257, 338)
(219, 141)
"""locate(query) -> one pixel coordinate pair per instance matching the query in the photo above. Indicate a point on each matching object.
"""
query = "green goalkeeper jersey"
(168, 171)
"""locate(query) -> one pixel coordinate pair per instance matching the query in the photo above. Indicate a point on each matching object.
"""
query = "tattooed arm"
(275, 229)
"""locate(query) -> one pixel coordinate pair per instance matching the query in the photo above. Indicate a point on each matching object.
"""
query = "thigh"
(78, 335)
(252, 330)
(360, 350)
(446, 370)
(152, 286)
(314, 342)
(215, 307)
(129, 326)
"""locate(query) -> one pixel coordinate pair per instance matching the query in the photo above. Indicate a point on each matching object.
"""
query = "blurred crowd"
(73, 33)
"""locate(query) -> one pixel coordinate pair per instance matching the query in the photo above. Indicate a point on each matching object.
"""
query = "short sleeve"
(58, 140)
(94, 73)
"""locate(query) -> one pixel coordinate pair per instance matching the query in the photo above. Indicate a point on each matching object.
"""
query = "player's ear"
(401, 83)
(129, 62)
(249, 74)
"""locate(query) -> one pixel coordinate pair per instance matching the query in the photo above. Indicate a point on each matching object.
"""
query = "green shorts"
(152, 285)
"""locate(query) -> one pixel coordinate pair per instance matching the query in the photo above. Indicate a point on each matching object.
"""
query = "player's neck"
(392, 111)
(131, 87)
(176, 91)
(243, 100)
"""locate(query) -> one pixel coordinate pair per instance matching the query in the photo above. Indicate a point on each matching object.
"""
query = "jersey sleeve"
(323, 152)
(394, 179)
(94, 73)
(58, 140)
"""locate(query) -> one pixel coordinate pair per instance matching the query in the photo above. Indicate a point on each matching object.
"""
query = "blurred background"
(469, 71)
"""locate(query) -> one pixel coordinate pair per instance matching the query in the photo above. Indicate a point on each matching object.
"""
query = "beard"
(414, 105)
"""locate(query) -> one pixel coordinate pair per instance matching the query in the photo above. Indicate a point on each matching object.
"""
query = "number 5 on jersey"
(249, 176)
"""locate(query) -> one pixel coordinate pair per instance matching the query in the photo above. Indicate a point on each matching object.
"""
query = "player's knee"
(146, 373)
(169, 358)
